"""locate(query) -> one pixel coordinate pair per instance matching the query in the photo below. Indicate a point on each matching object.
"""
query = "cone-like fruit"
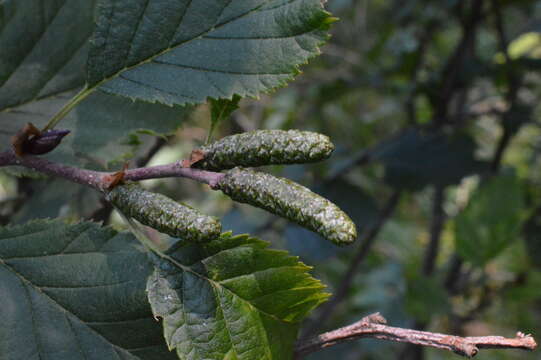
(265, 147)
(290, 200)
(164, 214)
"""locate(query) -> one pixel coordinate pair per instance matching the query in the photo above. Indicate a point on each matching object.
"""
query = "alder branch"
(100, 180)
(374, 326)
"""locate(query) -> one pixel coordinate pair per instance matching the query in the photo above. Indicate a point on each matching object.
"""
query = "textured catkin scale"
(266, 147)
(290, 200)
(163, 214)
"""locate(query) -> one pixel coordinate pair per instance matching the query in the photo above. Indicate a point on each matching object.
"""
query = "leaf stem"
(74, 101)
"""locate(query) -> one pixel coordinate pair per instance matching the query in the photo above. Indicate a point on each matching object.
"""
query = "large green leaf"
(491, 221)
(183, 51)
(44, 46)
(232, 298)
(74, 292)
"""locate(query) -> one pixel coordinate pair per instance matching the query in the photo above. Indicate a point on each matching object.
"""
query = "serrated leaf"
(182, 51)
(44, 48)
(100, 127)
(232, 298)
(415, 159)
(75, 292)
(491, 220)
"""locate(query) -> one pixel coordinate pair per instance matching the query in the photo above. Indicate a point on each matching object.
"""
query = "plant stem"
(74, 101)
(99, 180)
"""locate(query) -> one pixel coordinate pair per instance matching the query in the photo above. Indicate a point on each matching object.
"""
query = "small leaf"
(290, 200)
(266, 147)
(75, 292)
(491, 221)
(232, 298)
(163, 214)
(183, 52)
(221, 109)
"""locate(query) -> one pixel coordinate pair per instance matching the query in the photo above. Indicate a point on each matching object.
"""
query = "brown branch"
(98, 179)
(374, 326)
(328, 308)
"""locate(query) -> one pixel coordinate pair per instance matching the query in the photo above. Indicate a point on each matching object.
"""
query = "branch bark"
(374, 326)
(98, 179)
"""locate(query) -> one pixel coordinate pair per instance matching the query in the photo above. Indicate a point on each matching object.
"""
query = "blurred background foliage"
(433, 106)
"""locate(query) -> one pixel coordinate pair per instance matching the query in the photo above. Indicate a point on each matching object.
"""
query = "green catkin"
(265, 147)
(290, 200)
(164, 214)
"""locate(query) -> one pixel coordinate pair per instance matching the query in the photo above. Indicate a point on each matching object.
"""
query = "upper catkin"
(290, 200)
(164, 214)
(265, 147)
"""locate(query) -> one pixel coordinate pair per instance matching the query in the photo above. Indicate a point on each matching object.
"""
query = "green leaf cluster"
(232, 298)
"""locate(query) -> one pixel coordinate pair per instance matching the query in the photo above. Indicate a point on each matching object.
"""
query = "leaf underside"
(232, 298)
(74, 292)
(181, 52)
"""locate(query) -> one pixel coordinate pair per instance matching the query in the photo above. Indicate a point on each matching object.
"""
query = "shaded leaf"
(232, 298)
(491, 220)
(75, 292)
(101, 127)
(57, 198)
(414, 159)
(181, 52)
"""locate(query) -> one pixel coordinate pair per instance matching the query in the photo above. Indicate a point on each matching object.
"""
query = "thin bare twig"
(374, 326)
